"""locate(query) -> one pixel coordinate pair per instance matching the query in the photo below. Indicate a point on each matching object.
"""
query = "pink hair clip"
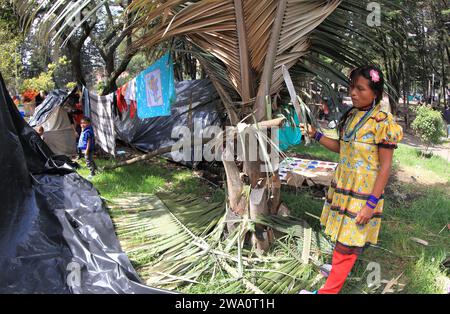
(375, 76)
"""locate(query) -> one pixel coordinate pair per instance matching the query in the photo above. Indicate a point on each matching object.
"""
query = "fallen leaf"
(420, 241)
(390, 284)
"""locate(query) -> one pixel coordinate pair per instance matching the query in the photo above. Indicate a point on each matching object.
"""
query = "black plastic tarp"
(197, 101)
(55, 233)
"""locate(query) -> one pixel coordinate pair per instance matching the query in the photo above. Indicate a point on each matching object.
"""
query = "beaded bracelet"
(318, 136)
(372, 202)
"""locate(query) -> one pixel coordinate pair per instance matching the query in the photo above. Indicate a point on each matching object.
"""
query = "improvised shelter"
(59, 133)
(55, 233)
(196, 107)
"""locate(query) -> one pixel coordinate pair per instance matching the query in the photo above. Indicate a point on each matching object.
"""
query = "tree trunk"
(110, 84)
(75, 62)
(74, 47)
(252, 192)
(444, 78)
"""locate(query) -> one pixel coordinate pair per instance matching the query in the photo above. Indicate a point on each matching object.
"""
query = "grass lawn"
(150, 177)
(412, 210)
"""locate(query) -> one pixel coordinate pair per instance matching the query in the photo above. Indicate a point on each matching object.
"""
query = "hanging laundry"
(121, 103)
(101, 114)
(130, 97)
(85, 101)
(290, 134)
(155, 89)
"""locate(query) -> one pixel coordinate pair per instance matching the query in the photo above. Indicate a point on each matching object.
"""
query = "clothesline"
(150, 94)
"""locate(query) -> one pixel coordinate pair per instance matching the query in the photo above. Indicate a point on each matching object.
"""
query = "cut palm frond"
(176, 241)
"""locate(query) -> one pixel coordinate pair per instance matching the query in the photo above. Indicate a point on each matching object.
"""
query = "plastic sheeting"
(155, 133)
(59, 134)
(54, 99)
(290, 134)
(55, 234)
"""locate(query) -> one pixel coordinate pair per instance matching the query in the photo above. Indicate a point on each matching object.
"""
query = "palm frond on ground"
(176, 241)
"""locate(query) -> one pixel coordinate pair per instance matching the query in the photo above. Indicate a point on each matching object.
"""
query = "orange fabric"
(340, 268)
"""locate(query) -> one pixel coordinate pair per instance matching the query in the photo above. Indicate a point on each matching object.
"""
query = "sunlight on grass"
(316, 150)
(410, 158)
(423, 216)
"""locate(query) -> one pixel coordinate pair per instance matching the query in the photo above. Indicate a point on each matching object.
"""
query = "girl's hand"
(311, 130)
(364, 215)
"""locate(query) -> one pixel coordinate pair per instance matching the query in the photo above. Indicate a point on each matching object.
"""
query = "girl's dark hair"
(377, 87)
(86, 119)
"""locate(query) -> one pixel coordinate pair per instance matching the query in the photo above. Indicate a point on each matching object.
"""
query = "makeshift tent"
(55, 233)
(196, 107)
(59, 133)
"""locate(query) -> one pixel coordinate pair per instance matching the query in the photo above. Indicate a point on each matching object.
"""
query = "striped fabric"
(101, 114)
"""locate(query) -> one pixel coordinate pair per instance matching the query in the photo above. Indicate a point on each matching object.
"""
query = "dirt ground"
(442, 150)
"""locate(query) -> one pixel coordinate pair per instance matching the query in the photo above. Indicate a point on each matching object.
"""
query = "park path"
(442, 150)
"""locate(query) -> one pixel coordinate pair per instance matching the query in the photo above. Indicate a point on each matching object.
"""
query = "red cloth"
(133, 108)
(340, 268)
(121, 103)
(79, 116)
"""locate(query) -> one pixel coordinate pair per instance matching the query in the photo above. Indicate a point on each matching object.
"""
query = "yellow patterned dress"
(355, 178)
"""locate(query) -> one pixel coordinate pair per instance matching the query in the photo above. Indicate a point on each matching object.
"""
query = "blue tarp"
(289, 134)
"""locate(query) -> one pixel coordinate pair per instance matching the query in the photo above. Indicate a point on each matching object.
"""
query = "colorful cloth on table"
(155, 89)
(290, 134)
(355, 177)
(303, 166)
(101, 114)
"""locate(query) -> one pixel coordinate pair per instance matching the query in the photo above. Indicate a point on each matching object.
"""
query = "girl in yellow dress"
(354, 205)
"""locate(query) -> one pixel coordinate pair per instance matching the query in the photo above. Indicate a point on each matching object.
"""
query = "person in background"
(86, 145)
(75, 112)
(16, 100)
(40, 131)
(447, 119)
(39, 99)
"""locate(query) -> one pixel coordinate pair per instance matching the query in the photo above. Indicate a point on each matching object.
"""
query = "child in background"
(86, 144)
(40, 131)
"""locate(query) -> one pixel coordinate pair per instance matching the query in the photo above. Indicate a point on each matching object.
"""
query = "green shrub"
(71, 85)
(45, 80)
(428, 125)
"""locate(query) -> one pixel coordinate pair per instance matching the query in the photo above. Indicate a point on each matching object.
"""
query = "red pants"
(340, 267)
